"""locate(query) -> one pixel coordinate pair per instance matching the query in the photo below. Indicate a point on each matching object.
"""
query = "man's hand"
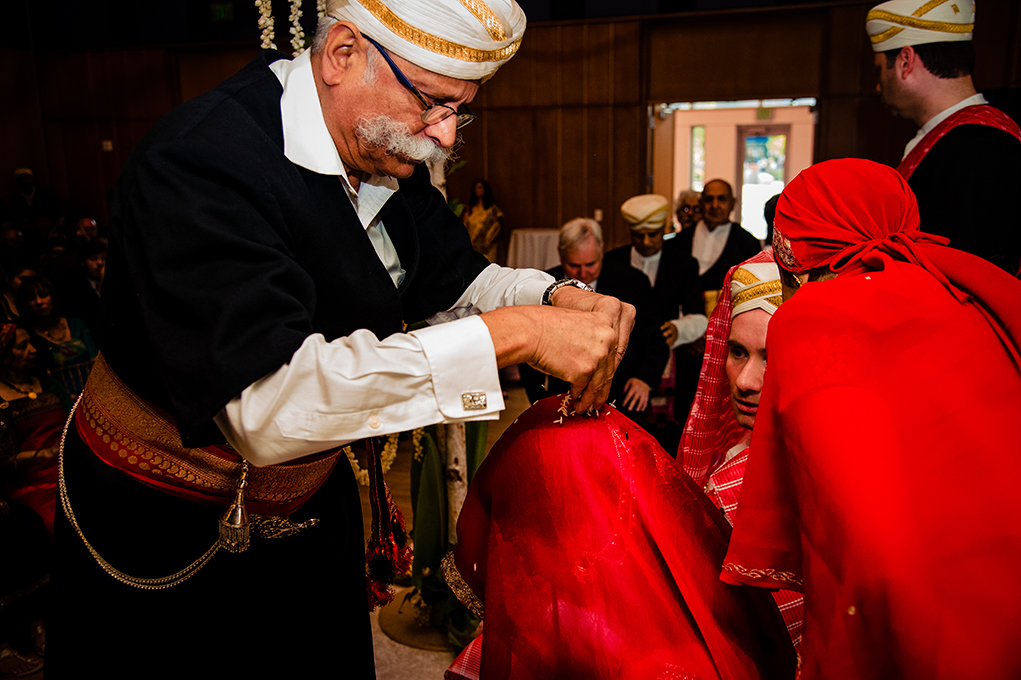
(594, 392)
(669, 333)
(580, 339)
(636, 394)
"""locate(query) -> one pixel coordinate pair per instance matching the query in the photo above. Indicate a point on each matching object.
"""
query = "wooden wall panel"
(23, 140)
(510, 171)
(746, 55)
(574, 151)
(202, 70)
(627, 174)
(545, 167)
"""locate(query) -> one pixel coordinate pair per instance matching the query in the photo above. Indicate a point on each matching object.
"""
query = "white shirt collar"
(647, 265)
(307, 140)
(930, 124)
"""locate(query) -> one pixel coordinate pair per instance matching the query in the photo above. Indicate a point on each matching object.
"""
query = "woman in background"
(484, 219)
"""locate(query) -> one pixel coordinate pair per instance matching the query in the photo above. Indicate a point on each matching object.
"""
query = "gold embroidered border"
(760, 290)
(771, 574)
(782, 249)
(460, 588)
(742, 275)
(130, 429)
(487, 17)
(434, 43)
(912, 22)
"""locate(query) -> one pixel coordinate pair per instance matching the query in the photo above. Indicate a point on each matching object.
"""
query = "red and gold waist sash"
(132, 435)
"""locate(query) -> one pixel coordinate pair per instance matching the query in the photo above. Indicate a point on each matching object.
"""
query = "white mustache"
(396, 139)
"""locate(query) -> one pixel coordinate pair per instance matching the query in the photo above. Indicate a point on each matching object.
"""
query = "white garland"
(386, 459)
(321, 8)
(266, 23)
(297, 33)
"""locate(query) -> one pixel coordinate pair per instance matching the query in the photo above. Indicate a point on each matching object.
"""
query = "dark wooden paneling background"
(563, 127)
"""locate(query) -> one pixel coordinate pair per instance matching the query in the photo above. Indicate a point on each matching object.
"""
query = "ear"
(343, 43)
(907, 61)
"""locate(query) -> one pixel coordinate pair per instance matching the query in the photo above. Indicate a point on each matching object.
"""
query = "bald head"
(717, 203)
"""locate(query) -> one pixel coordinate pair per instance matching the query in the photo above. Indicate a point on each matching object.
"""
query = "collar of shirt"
(308, 143)
(707, 246)
(974, 100)
(647, 265)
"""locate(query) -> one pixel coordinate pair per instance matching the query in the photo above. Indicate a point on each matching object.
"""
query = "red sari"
(38, 424)
(886, 463)
(596, 557)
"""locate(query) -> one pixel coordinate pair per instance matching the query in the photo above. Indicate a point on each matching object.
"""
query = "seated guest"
(36, 414)
(717, 243)
(714, 449)
(581, 257)
(65, 343)
(883, 483)
(14, 273)
(673, 274)
(688, 209)
(79, 292)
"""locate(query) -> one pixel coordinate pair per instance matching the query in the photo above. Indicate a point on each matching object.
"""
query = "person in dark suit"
(581, 257)
(673, 273)
(717, 243)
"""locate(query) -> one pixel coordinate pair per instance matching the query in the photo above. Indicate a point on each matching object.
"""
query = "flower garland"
(266, 23)
(386, 459)
(416, 441)
(321, 8)
(297, 32)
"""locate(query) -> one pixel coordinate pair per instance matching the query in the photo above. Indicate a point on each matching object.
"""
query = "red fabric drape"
(885, 465)
(597, 557)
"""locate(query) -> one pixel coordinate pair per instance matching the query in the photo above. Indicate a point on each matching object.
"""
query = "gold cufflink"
(473, 401)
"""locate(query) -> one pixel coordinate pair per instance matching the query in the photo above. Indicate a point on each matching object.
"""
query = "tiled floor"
(395, 661)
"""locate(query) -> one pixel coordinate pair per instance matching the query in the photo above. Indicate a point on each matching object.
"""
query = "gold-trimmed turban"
(463, 39)
(899, 23)
(755, 285)
(647, 211)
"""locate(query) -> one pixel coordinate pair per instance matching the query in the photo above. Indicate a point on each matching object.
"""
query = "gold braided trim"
(487, 17)
(759, 574)
(745, 277)
(912, 22)
(768, 290)
(148, 445)
(433, 43)
(457, 584)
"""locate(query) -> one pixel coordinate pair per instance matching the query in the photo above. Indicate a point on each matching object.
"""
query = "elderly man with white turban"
(964, 148)
(269, 241)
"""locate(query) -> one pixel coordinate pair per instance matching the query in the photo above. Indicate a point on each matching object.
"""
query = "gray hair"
(579, 229)
(686, 195)
(319, 42)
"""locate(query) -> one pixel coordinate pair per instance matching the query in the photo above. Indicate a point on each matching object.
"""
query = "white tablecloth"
(534, 248)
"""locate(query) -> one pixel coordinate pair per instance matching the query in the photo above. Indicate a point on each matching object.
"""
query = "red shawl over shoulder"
(884, 480)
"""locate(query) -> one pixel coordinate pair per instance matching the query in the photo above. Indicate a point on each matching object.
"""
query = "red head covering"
(851, 215)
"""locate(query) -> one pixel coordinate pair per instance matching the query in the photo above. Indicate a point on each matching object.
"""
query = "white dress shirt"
(973, 100)
(332, 393)
(690, 327)
(707, 246)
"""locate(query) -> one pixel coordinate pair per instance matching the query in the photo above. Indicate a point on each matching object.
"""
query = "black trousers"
(286, 607)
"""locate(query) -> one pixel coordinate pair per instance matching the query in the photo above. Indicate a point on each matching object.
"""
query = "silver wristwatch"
(557, 285)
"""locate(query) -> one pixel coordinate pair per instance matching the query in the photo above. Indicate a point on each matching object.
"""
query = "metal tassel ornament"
(235, 531)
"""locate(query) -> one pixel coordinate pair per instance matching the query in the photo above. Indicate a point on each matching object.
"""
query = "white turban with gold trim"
(647, 211)
(463, 39)
(755, 285)
(899, 23)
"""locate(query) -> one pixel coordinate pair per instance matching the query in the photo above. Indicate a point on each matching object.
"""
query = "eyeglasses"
(689, 209)
(433, 113)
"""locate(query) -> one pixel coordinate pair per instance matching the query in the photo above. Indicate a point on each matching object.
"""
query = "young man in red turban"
(883, 480)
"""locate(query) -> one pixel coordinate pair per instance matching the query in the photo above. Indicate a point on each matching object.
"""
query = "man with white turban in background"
(964, 148)
(269, 240)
